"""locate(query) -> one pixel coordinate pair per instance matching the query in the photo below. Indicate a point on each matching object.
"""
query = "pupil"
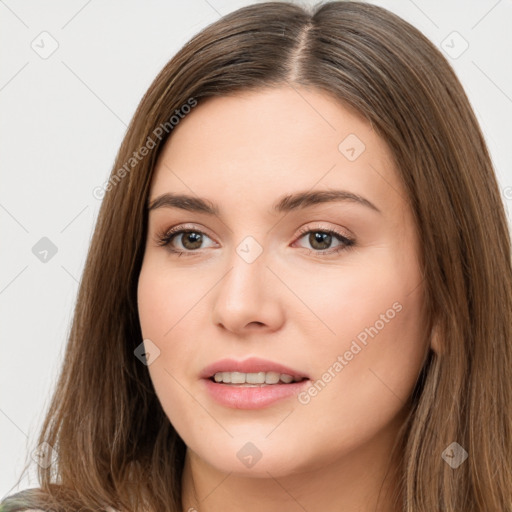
(317, 237)
(193, 238)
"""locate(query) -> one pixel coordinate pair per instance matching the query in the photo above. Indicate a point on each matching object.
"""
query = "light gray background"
(63, 119)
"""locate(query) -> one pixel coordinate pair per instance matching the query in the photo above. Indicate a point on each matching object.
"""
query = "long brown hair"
(116, 446)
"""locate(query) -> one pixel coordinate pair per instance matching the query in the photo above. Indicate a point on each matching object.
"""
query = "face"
(325, 291)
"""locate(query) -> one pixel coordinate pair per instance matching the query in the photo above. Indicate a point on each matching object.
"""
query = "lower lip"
(257, 397)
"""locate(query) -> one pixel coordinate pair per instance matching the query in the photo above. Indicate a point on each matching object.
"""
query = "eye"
(321, 240)
(189, 239)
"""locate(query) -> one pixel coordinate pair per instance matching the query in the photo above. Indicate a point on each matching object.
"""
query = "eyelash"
(164, 239)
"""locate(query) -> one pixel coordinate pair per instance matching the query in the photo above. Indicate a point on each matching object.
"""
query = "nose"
(248, 298)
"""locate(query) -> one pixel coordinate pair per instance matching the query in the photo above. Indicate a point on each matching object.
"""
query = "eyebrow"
(287, 203)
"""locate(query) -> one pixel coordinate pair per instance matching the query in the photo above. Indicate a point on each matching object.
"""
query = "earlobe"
(435, 340)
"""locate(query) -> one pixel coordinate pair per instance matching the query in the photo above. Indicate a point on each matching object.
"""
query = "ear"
(436, 343)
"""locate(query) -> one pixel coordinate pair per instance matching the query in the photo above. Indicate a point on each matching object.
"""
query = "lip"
(254, 397)
(257, 397)
(250, 365)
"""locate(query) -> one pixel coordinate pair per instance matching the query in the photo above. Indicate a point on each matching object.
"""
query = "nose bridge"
(245, 294)
(247, 276)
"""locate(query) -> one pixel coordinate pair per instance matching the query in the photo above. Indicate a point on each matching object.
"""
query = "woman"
(298, 293)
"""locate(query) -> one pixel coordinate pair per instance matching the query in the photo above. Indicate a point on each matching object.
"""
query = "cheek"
(366, 374)
(372, 380)
(167, 302)
(165, 297)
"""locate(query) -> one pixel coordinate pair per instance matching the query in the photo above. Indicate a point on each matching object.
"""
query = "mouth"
(253, 383)
(256, 379)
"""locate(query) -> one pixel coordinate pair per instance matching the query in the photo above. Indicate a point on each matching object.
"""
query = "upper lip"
(250, 365)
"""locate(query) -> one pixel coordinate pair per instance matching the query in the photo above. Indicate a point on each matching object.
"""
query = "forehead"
(254, 146)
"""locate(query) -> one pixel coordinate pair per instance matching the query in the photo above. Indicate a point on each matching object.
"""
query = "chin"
(259, 458)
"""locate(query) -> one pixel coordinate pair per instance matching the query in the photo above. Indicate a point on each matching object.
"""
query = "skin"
(291, 305)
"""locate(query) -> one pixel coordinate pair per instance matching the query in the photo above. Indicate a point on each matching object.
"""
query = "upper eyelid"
(179, 228)
(191, 227)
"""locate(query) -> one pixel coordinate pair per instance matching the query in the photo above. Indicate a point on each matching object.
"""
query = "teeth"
(271, 378)
(237, 378)
(254, 378)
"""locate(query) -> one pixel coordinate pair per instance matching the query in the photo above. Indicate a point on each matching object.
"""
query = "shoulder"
(22, 501)
(27, 501)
